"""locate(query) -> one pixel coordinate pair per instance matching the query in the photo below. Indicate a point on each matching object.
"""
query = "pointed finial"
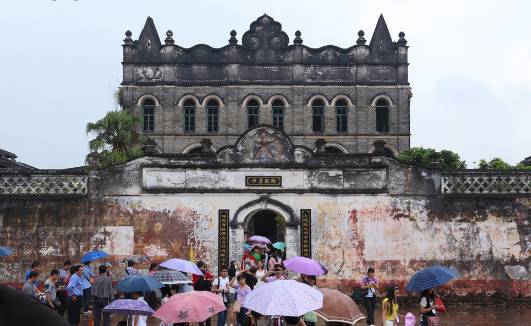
(233, 40)
(297, 40)
(361, 40)
(169, 38)
(128, 39)
(402, 41)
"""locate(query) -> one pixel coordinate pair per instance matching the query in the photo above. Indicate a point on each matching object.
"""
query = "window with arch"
(277, 108)
(318, 116)
(189, 115)
(382, 115)
(212, 116)
(148, 111)
(341, 116)
(252, 113)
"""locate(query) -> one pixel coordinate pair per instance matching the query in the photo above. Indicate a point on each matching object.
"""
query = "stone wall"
(146, 210)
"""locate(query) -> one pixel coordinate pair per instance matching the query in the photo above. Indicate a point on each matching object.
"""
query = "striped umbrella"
(171, 277)
(430, 277)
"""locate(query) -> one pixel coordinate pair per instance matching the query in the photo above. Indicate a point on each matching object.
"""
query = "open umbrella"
(128, 307)
(190, 307)
(430, 277)
(93, 255)
(169, 276)
(339, 307)
(5, 251)
(284, 298)
(181, 265)
(279, 245)
(306, 266)
(259, 239)
(138, 283)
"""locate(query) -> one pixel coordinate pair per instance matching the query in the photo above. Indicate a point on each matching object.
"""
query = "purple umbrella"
(259, 239)
(305, 266)
(128, 307)
(181, 265)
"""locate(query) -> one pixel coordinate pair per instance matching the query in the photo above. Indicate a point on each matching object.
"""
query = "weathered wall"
(396, 235)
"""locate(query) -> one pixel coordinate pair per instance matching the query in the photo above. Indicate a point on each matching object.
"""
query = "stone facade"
(350, 211)
(265, 68)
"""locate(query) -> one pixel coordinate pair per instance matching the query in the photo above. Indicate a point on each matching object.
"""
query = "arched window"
(252, 113)
(212, 116)
(189, 115)
(148, 107)
(277, 108)
(341, 116)
(382, 115)
(318, 116)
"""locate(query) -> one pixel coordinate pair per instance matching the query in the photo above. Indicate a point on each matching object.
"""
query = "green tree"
(499, 164)
(425, 156)
(116, 138)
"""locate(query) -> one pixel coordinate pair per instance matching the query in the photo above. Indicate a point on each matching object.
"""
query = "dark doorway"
(266, 223)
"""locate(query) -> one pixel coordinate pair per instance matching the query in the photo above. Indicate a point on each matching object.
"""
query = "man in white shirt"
(137, 319)
(220, 286)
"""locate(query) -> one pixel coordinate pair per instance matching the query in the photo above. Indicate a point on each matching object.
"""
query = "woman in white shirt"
(139, 320)
(260, 273)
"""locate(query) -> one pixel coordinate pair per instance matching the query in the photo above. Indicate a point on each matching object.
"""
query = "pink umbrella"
(259, 239)
(304, 266)
(190, 307)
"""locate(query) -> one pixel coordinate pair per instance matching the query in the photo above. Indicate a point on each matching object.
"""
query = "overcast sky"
(470, 64)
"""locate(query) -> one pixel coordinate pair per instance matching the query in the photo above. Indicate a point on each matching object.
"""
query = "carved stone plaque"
(223, 238)
(260, 181)
(306, 233)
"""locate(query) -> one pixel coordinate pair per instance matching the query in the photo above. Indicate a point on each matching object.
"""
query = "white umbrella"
(284, 298)
(182, 265)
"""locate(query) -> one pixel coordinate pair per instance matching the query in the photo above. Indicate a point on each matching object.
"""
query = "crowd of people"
(78, 289)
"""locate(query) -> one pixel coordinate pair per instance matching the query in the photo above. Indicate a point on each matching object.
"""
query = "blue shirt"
(87, 274)
(75, 287)
(36, 282)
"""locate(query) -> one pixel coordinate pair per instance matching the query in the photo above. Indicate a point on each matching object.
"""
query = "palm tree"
(117, 139)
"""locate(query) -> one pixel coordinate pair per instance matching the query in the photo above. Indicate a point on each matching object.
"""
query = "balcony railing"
(42, 184)
(486, 182)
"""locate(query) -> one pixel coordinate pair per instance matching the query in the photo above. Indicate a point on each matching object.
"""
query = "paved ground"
(489, 316)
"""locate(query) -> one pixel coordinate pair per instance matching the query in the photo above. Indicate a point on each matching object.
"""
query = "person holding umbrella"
(428, 307)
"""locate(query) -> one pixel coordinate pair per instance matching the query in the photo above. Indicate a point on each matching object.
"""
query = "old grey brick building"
(350, 97)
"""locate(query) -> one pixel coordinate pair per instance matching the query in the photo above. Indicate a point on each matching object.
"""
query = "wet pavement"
(488, 316)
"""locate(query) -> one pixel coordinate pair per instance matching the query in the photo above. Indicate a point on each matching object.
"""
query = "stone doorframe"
(245, 212)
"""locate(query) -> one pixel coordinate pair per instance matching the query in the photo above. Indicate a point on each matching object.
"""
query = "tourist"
(248, 260)
(310, 318)
(103, 293)
(75, 294)
(428, 308)
(233, 270)
(86, 281)
(152, 269)
(35, 267)
(29, 286)
(260, 272)
(273, 260)
(274, 275)
(137, 319)
(256, 252)
(62, 282)
(368, 286)
(242, 290)
(390, 307)
(250, 277)
(131, 270)
(221, 286)
(109, 269)
(207, 275)
(50, 290)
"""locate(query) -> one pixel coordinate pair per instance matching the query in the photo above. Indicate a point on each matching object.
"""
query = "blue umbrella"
(138, 283)
(5, 251)
(430, 277)
(93, 255)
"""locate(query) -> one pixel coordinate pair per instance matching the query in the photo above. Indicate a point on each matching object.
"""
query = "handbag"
(237, 307)
(434, 321)
(440, 303)
(231, 297)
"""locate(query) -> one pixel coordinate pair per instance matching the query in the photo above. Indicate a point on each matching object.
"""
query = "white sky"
(470, 64)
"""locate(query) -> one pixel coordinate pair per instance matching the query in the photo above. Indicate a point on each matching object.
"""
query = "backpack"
(202, 284)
